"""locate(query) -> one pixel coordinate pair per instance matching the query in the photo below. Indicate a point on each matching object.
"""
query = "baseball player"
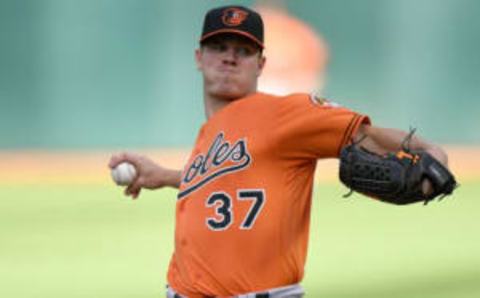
(244, 196)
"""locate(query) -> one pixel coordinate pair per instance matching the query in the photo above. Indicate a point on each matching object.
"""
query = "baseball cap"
(233, 19)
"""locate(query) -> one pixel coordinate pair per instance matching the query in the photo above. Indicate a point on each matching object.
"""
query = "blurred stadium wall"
(80, 79)
(106, 74)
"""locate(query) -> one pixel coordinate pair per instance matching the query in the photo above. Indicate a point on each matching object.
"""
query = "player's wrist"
(171, 178)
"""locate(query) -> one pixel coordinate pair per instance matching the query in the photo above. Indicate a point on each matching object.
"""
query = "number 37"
(222, 203)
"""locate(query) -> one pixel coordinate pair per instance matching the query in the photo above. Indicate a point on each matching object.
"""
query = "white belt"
(291, 291)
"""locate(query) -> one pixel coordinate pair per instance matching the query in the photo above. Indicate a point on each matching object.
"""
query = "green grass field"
(90, 241)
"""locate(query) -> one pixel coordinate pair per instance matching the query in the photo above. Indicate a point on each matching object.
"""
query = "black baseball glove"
(394, 178)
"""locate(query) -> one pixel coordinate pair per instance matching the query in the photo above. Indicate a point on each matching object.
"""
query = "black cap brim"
(233, 31)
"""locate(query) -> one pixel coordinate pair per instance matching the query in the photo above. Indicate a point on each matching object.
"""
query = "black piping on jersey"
(348, 132)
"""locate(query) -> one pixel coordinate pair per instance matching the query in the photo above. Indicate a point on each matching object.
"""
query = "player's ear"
(198, 58)
(261, 64)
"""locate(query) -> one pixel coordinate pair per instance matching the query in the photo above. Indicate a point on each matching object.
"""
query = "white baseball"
(124, 173)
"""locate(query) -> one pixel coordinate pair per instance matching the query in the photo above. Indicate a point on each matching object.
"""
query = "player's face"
(231, 65)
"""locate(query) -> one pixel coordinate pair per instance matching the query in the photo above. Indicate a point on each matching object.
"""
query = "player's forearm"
(383, 140)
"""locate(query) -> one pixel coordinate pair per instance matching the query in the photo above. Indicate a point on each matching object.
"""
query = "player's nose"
(230, 56)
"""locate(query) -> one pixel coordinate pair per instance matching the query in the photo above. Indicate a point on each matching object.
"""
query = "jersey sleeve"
(311, 128)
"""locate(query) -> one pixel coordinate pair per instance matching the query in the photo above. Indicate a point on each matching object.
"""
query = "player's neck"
(213, 104)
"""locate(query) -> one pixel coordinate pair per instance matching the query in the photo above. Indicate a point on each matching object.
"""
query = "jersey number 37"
(223, 205)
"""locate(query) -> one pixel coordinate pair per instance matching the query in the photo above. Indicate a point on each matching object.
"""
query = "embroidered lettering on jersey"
(221, 158)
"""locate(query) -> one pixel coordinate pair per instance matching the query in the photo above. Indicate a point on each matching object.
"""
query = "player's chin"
(230, 93)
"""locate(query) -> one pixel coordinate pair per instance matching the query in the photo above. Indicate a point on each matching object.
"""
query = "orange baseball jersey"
(243, 208)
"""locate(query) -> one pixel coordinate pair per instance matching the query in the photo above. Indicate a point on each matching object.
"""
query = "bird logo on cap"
(234, 16)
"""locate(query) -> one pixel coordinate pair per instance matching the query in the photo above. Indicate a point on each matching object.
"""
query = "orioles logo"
(323, 102)
(234, 16)
(222, 158)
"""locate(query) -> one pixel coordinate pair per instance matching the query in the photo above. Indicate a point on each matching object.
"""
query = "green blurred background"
(86, 241)
(99, 75)
(109, 73)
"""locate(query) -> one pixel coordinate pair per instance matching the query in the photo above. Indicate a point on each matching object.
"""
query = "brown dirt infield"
(90, 167)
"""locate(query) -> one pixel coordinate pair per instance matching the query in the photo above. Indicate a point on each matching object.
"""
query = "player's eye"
(218, 47)
(245, 51)
(214, 47)
(240, 50)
